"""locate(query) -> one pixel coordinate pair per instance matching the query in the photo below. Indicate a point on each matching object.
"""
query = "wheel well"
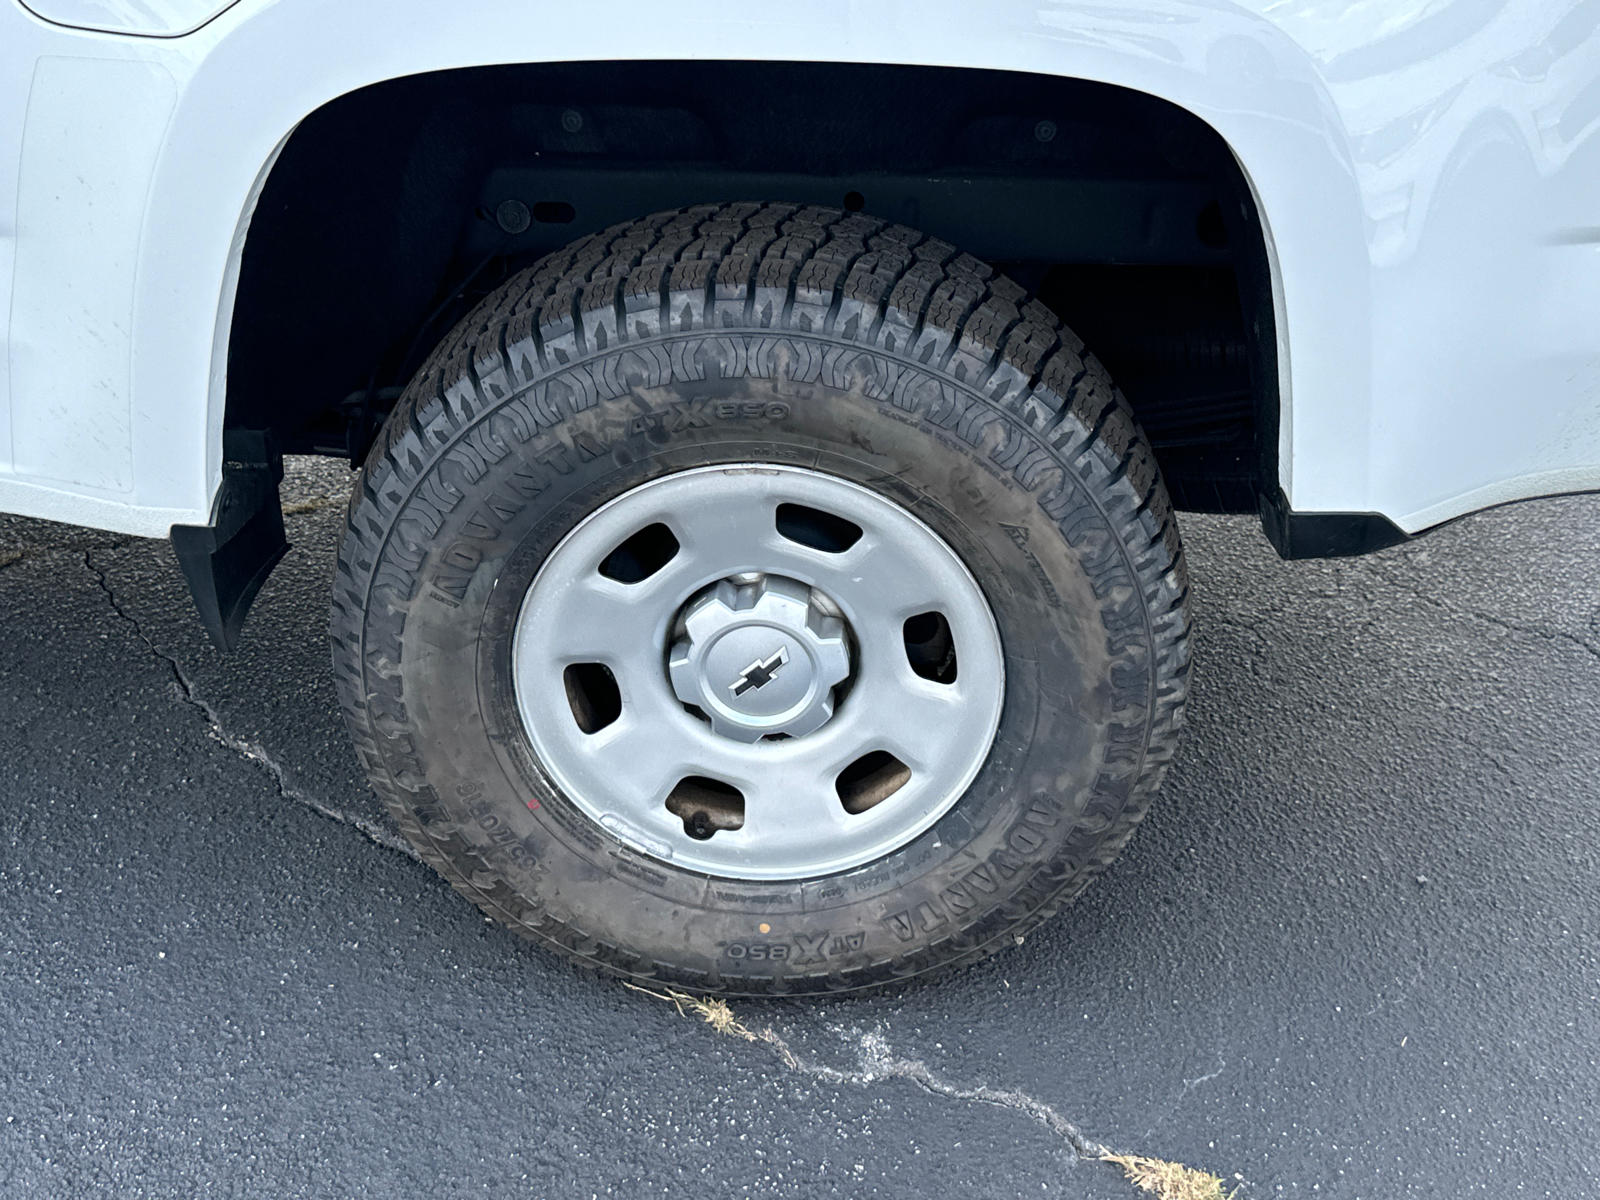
(393, 209)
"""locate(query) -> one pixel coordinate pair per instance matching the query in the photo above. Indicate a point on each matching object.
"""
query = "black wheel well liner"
(380, 225)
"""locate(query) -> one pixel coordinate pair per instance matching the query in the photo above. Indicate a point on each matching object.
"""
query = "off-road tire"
(765, 333)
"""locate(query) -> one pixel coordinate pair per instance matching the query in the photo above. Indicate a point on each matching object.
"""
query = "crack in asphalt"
(253, 751)
(1402, 997)
(877, 1061)
(1549, 635)
(1189, 1085)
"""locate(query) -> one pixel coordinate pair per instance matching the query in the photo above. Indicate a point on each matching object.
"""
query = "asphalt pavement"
(1352, 952)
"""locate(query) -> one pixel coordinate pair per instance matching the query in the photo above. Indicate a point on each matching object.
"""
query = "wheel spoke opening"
(706, 805)
(641, 555)
(871, 780)
(593, 695)
(818, 529)
(931, 647)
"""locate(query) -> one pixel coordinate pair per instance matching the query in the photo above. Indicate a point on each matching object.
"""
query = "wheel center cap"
(760, 656)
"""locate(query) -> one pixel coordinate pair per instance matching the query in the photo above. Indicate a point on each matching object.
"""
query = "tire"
(813, 343)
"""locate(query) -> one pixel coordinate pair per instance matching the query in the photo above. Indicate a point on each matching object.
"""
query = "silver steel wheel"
(759, 672)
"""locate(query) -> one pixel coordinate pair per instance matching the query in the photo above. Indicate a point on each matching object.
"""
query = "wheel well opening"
(394, 209)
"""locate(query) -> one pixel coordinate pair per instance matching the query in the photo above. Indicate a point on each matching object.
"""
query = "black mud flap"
(1325, 535)
(227, 561)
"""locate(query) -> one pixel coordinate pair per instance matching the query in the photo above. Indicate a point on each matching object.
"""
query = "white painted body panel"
(1428, 173)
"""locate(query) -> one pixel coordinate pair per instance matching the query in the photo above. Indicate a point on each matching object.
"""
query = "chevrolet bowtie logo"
(759, 673)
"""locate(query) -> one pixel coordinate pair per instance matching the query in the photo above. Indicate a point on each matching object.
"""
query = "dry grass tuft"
(719, 1016)
(1169, 1181)
(316, 504)
(7, 557)
(712, 1011)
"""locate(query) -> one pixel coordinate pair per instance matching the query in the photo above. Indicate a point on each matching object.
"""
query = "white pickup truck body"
(1427, 175)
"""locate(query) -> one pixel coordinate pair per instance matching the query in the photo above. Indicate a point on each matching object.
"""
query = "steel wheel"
(760, 673)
